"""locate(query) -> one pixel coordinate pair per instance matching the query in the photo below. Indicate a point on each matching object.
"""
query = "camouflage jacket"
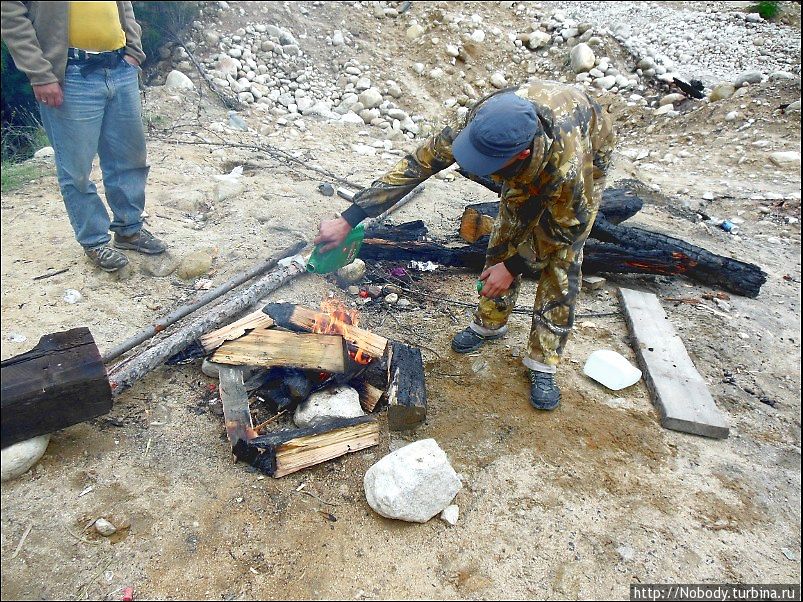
(553, 187)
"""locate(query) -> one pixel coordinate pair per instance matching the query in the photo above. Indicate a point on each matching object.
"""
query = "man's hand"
(497, 280)
(130, 60)
(49, 94)
(332, 233)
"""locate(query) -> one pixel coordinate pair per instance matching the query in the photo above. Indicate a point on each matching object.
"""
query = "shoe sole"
(545, 408)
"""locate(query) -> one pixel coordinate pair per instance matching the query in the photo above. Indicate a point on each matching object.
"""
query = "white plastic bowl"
(611, 369)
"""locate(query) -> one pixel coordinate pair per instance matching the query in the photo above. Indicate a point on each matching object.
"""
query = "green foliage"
(164, 23)
(16, 175)
(768, 10)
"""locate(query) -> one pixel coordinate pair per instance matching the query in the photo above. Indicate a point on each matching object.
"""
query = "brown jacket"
(36, 36)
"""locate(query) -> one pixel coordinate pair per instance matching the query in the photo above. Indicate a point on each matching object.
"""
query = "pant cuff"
(539, 366)
(488, 332)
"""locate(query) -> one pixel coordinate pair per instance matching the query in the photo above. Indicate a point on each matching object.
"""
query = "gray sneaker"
(141, 242)
(106, 258)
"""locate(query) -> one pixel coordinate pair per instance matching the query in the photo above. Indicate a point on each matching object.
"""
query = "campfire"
(299, 352)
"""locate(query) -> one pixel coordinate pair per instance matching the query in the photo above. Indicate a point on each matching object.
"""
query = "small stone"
(403, 303)
(786, 159)
(452, 50)
(370, 98)
(498, 80)
(194, 265)
(72, 296)
(593, 283)
(608, 82)
(337, 38)
(374, 291)
(105, 528)
(673, 98)
(415, 31)
(732, 116)
(663, 110)
(722, 91)
(749, 77)
(351, 273)
(354, 290)
(160, 266)
(16, 337)
(176, 80)
(19, 458)
(450, 514)
(326, 189)
(626, 553)
(44, 153)
(391, 299)
(582, 58)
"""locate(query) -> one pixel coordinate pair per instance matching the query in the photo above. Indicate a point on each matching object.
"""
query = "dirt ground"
(578, 503)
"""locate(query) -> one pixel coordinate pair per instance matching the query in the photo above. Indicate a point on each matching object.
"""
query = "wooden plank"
(680, 393)
(60, 382)
(297, 317)
(234, 397)
(254, 321)
(285, 452)
(406, 394)
(268, 348)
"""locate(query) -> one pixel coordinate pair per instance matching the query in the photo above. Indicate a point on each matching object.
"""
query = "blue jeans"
(101, 115)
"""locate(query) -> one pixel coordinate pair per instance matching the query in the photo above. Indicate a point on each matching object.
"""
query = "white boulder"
(19, 458)
(325, 406)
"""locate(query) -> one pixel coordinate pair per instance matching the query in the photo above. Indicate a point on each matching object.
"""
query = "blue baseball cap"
(504, 125)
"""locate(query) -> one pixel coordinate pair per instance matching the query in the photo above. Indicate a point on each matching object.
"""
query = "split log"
(254, 321)
(282, 453)
(269, 348)
(236, 413)
(60, 382)
(302, 319)
(125, 374)
(406, 394)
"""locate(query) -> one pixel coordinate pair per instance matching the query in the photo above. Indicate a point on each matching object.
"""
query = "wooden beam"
(678, 390)
(299, 318)
(268, 348)
(254, 321)
(406, 394)
(60, 382)
(284, 452)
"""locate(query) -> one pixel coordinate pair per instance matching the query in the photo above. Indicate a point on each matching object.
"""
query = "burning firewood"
(284, 452)
(253, 321)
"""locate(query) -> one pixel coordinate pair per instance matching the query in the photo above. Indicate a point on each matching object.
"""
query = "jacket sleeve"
(434, 155)
(133, 33)
(23, 45)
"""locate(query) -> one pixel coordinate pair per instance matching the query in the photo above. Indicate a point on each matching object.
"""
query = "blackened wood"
(618, 204)
(406, 394)
(60, 382)
(279, 453)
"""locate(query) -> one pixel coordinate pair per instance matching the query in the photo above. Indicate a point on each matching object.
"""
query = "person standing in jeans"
(82, 59)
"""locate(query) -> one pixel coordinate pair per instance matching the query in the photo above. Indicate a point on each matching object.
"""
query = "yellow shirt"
(95, 26)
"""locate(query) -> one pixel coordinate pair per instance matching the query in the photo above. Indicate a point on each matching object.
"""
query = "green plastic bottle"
(324, 263)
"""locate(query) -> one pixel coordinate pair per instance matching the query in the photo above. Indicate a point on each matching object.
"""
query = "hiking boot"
(106, 258)
(467, 340)
(141, 242)
(544, 391)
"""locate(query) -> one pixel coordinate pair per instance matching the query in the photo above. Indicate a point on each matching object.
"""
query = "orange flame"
(335, 318)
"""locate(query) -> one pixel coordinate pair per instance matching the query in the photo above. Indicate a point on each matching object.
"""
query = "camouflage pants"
(559, 265)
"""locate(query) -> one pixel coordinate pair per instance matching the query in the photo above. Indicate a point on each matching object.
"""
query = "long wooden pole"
(126, 373)
(174, 316)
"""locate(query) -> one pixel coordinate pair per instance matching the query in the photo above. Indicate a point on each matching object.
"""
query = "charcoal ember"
(285, 388)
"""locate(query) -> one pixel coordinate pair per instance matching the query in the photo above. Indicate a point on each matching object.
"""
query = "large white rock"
(328, 405)
(582, 58)
(176, 80)
(19, 458)
(413, 483)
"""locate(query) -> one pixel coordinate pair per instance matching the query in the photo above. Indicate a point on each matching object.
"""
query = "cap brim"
(473, 161)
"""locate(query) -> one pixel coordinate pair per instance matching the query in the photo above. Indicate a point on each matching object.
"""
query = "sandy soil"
(578, 503)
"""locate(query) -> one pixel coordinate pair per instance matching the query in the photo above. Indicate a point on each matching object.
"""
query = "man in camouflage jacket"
(548, 146)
